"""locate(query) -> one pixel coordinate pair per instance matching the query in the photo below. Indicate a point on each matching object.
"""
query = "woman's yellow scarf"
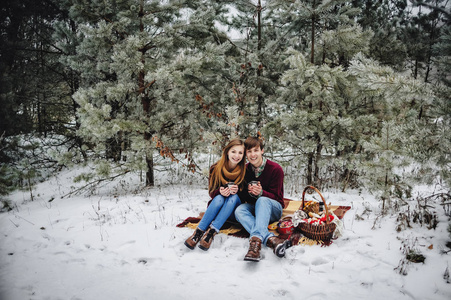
(227, 176)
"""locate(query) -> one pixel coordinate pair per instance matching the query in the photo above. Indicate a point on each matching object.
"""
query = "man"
(262, 200)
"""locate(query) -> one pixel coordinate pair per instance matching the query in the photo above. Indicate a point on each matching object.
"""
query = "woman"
(226, 178)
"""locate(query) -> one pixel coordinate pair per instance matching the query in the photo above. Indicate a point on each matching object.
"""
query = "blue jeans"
(255, 218)
(219, 210)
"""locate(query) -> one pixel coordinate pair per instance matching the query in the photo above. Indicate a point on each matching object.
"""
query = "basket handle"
(324, 201)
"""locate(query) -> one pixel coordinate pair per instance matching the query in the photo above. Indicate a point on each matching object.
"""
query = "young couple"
(251, 194)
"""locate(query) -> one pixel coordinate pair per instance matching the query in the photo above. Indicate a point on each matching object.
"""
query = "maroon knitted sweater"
(271, 180)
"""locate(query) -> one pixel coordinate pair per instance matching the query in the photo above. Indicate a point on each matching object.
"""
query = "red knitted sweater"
(271, 180)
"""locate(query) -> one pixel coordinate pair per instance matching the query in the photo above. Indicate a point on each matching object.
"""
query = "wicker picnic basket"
(311, 206)
(319, 232)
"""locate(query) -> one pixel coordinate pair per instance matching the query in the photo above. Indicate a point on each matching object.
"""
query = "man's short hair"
(252, 142)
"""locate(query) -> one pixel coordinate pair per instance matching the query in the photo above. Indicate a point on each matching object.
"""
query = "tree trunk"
(113, 148)
(260, 99)
(113, 145)
(316, 177)
(310, 168)
(145, 101)
(150, 179)
(415, 71)
(319, 148)
(312, 57)
(428, 66)
(74, 83)
(39, 115)
(385, 192)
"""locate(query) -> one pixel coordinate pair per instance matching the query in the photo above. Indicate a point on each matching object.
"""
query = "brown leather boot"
(278, 245)
(192, 241)
(255, 245)
(206, 240)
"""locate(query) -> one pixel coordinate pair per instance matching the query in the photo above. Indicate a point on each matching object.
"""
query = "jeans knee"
(235, 200)
(218, 200)
(263, 201)
(239, 212)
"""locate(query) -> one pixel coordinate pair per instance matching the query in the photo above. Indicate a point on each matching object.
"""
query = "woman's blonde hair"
(216, 177)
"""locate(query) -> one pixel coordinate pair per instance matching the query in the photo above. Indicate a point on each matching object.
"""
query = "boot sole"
(280, 249)
(187, 245)
(203, 248)
(252, 259)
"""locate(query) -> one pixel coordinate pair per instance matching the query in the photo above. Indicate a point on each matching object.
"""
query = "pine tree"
(388, 20)
(33, 92)
(315, 98)
(312, 114)
(147, 72)
(385, 154)
(425, 28)
(256, 63)
(398, 102)
(31, 85)
(442, 52)
(307, 21)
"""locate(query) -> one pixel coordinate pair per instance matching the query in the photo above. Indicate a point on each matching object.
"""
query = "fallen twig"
(94, 183)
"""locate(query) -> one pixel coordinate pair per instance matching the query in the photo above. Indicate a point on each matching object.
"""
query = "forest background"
(346, 94)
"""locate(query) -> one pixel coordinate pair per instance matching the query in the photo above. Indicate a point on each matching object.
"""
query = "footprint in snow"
(148, 260)
(319, 261)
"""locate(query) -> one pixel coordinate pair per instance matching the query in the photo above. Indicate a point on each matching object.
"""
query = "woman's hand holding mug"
(233, 188)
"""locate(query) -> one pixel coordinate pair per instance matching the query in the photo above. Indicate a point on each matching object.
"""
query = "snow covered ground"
(121, 242)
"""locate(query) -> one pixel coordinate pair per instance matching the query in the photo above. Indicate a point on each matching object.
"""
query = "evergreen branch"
(32, 50)
(433, 7)
(48, 42)
(205, 86)
(147, 47)
(235, 45)
(443, 196)
(142, 89)
(95, 183)
(123, 35)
